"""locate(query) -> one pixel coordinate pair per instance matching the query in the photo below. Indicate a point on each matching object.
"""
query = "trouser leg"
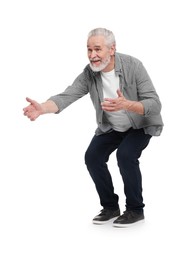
(128, 154)
(96, 158)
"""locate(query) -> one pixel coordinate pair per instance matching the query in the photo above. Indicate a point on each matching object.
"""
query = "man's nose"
(93, 54)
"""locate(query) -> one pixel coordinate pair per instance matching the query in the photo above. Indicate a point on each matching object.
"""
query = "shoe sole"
(97, 222)
(128, 225)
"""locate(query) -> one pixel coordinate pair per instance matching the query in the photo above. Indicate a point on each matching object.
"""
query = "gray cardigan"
(135, 85)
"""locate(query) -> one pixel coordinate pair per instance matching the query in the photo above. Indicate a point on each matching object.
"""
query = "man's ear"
(112, 49)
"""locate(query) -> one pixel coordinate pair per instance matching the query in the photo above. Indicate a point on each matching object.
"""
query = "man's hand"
(114, 104)
(121, 103)
(33, 110)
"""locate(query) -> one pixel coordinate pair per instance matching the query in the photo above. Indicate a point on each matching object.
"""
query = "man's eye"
(94, 50)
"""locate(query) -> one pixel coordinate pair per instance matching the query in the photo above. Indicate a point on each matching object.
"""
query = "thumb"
(33, 103)
(29, 100)
(120, 94)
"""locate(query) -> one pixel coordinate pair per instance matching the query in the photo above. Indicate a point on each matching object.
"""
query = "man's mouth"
(95, 62)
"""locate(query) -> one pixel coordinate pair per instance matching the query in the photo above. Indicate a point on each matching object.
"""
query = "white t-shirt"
(119, 120)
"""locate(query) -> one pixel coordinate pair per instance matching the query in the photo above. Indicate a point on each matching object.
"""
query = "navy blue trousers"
(129, 146)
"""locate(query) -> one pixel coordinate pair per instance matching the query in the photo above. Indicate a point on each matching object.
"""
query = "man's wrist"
(134, 106)
(49, 107)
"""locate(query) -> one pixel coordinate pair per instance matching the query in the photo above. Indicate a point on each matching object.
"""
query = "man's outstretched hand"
(33, 110)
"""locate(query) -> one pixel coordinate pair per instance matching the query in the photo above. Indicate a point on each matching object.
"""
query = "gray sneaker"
(129, 218)
(105, 216)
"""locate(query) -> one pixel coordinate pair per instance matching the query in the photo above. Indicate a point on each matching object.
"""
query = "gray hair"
(108, 35)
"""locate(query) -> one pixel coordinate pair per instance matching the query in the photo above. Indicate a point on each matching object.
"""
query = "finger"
(110, 100)
(25, 110)
(109, 109)
(108, 104)
(32, 118)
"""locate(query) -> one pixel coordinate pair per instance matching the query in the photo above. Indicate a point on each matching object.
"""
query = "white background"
(47, 199)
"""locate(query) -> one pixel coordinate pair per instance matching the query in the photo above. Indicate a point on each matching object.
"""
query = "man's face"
(99, 54)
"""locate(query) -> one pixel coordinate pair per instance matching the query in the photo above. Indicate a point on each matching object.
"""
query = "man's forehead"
(95, 45)
(98, 40)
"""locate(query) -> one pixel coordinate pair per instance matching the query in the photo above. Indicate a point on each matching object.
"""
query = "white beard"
(102, 66)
